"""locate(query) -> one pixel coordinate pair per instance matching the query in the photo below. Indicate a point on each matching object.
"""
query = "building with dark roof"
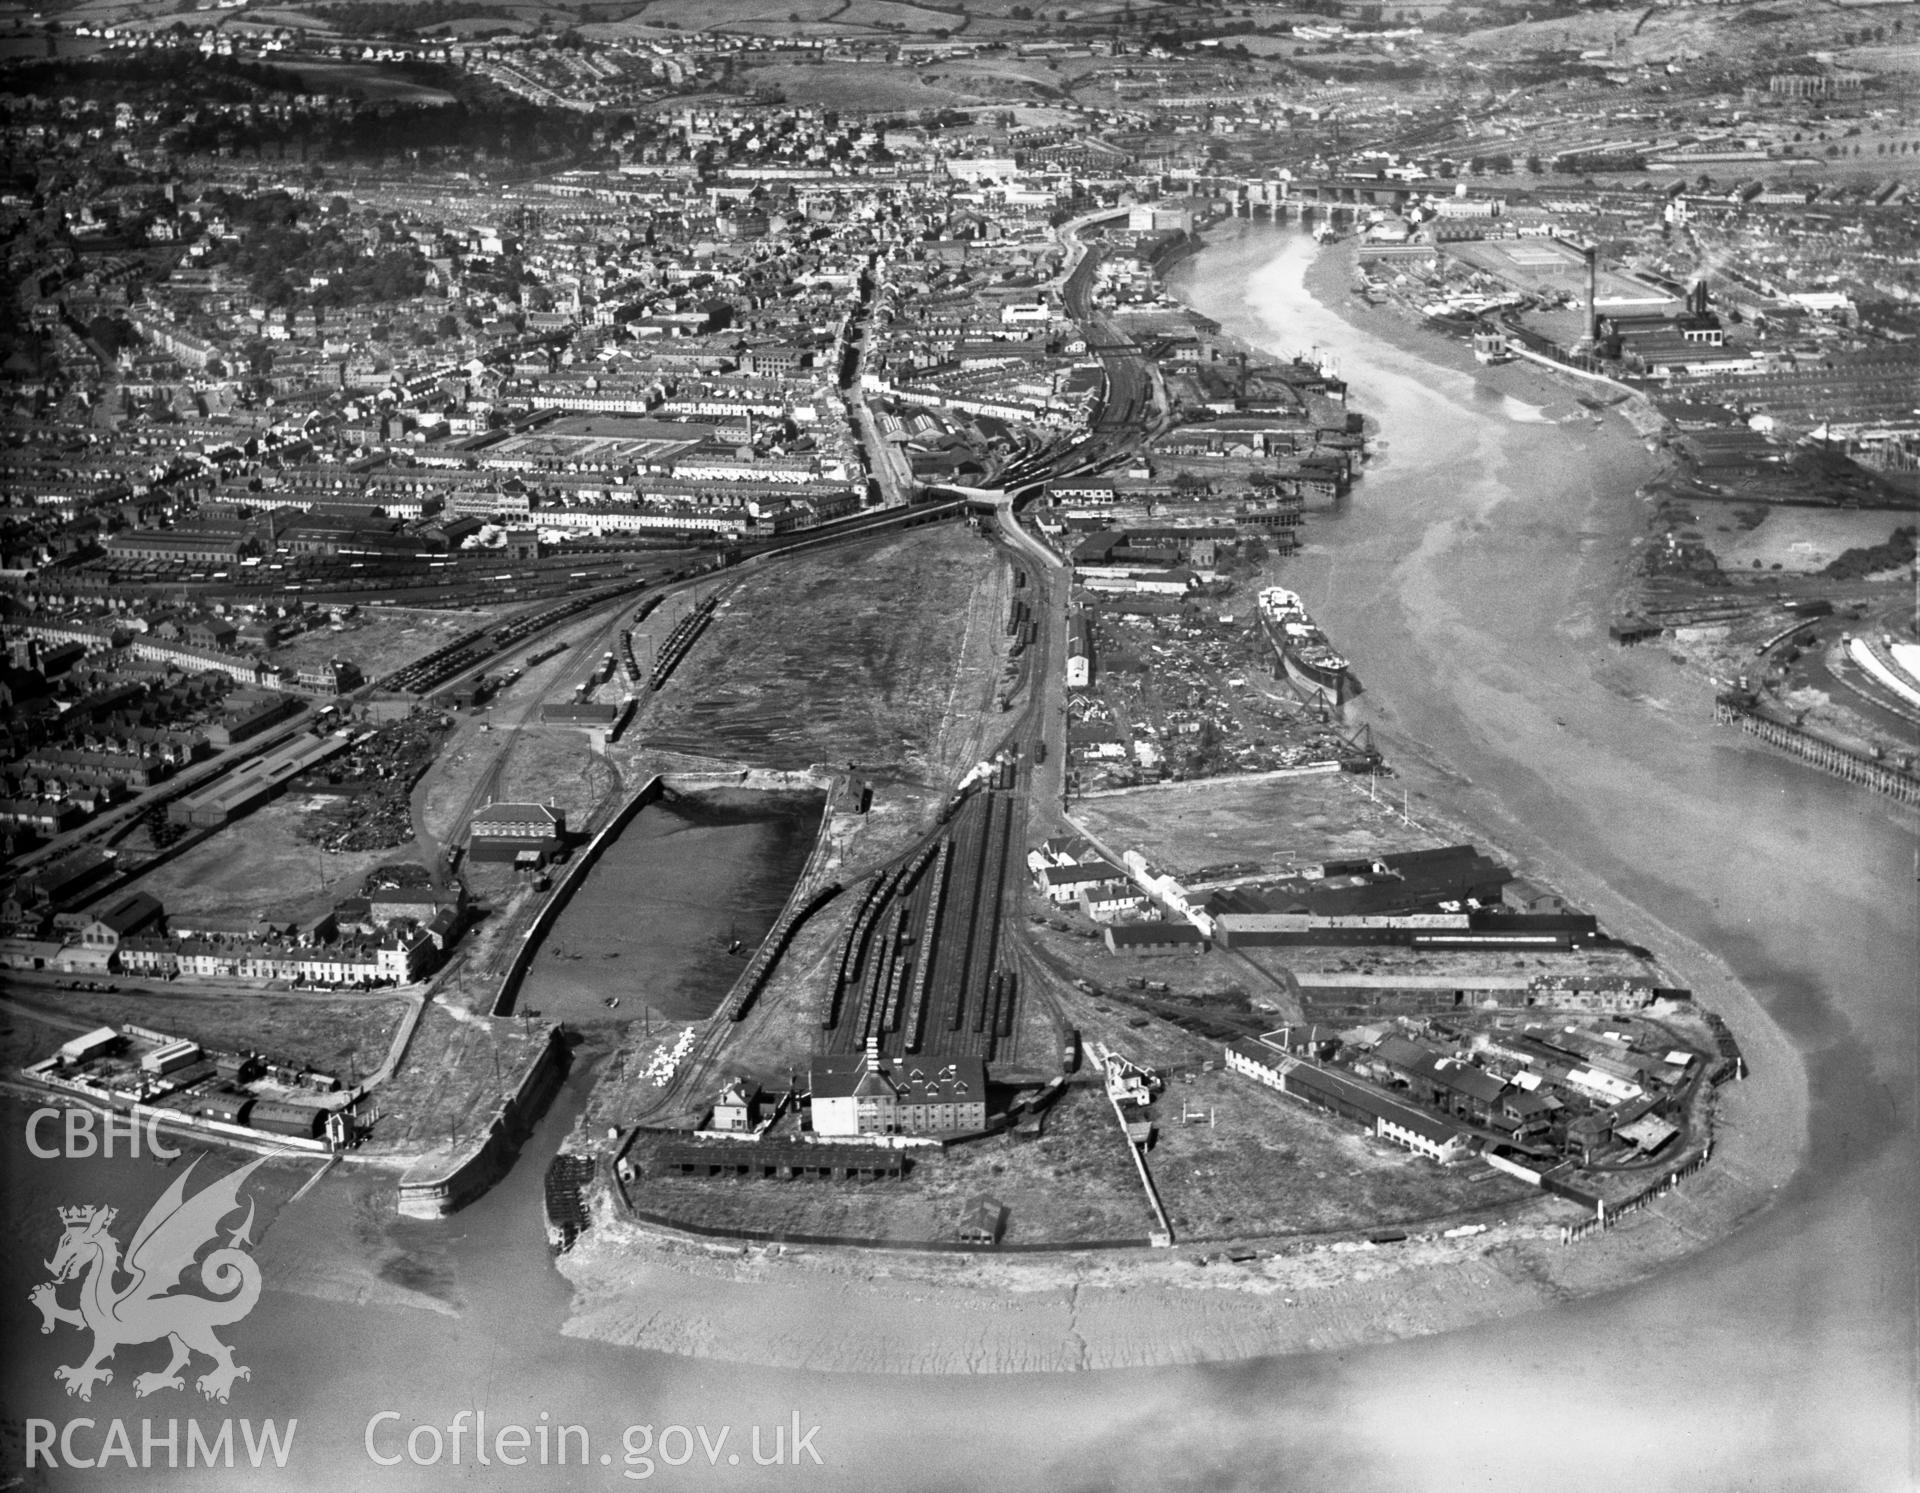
(925, 1094)
(1146, 940)
(1327, 1088)
(1445, 1083)
(738, 1107)
(278, 1117)
(982, 1221)
(507, 832)
(1065, 883)
(782, 1162)
(125, 916)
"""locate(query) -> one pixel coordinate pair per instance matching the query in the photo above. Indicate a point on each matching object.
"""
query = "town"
(432, 450)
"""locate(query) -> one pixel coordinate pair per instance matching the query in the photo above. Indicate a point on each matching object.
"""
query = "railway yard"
(913, 937)
(685, 638)
(1112, 919)
(799, 665)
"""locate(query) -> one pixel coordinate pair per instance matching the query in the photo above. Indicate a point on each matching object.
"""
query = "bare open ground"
(379, 642)
(1279, 822)
(258, 867)
(345, 1036)
(451, 1080)
(885, 657)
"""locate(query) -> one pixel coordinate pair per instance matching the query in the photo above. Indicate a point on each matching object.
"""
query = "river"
(1468, 583)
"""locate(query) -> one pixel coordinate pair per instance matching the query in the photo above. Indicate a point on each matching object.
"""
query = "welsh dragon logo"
(147, 1307)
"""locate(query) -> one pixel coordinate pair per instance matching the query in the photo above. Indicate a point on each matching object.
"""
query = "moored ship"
(1308, 658)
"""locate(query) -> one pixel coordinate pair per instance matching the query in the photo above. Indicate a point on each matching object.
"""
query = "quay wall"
(544, 920)
(446, 1180)
(1822, 754)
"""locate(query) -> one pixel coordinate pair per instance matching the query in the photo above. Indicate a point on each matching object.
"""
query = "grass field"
(1797, 540)
(850, 86)
(377, 84)
(1000, 84)
(801, 17)
(301, 19)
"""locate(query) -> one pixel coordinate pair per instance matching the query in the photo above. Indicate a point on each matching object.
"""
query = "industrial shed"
(982, 1222)
(784, 1163)
(278, 1117)
(230, 1106)
(1148, 940)
(252, 783)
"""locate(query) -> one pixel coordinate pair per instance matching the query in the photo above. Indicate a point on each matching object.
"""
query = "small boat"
(735, 947)
(612, 1002)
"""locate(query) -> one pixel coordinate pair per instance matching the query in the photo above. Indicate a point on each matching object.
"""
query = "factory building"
(252, 783)
(927, 1094)
(1424, 1134)
(516, 832)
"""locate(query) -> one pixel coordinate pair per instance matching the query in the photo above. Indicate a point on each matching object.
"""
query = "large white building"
(926, 1094)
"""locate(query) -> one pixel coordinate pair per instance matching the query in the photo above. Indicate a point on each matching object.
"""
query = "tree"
(111, 333)
(448, 327)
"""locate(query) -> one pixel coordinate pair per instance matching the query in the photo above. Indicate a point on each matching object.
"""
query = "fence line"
(1607, 1216)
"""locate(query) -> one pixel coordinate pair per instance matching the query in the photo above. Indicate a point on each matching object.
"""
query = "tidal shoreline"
(881, 1311)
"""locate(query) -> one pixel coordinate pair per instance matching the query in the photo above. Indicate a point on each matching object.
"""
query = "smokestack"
(1593, 291)
(1699, 298)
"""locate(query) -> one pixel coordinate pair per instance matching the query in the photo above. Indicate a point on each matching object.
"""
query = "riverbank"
(879, 1311)
(1497, 479)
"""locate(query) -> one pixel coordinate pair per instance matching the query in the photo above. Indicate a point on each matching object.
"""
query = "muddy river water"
(1468, 582)
(667, 915)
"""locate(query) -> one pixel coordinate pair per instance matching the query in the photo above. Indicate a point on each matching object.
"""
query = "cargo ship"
(1309, 659)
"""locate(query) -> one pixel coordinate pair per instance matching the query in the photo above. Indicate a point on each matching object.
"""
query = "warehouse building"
(922, 1095)
(1151, 940)
(252, 783)
(1064, 884)
(1423, 1134)
(509, 832)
